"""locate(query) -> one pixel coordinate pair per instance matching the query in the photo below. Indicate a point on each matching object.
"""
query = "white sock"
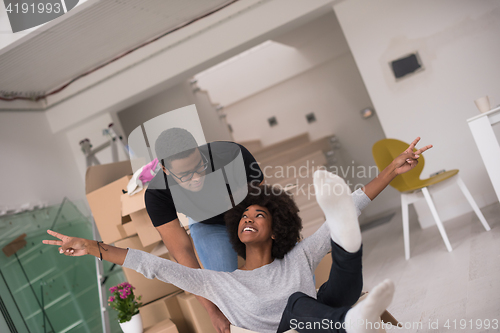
(335, 198)
(363, 317)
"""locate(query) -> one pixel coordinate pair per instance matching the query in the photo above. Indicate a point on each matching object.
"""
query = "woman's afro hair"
(286, 223)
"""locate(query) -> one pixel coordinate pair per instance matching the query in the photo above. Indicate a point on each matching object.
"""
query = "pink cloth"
(148, 171)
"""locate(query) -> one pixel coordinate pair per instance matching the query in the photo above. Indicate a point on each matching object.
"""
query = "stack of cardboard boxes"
(122, 220)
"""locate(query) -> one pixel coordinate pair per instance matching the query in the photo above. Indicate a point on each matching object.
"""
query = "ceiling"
(93, 34)
(274, 61)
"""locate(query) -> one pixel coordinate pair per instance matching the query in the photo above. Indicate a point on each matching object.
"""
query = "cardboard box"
(144, 227)
(106, 209)
(127, 227)
(134, 207)
(164, 308)
(99, 175)
(176, 314)
(197, 318)
(149, 289)
(118, 215)
(165, 326)
(133, 203)
(103, 187)
(134, 243)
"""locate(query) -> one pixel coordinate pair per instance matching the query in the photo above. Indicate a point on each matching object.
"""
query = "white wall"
(257, 69)
(274, 61)
(92, 129)
(459, 46)
(333, 90)
(292, 99)
(171, 99)
(141, 112)
(36, 165)
(214, 126)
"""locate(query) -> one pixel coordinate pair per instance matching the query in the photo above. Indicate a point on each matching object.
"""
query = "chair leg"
(471, 201)
(439, 224)
(406, 225)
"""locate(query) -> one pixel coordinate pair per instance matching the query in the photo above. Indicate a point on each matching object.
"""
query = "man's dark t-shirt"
(158, 197)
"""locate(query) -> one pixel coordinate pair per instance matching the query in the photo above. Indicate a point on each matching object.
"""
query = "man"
(203, 183)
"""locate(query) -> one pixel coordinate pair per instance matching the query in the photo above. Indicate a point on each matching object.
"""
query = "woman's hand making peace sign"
(408, 159)
(75, 247)
(70, 246)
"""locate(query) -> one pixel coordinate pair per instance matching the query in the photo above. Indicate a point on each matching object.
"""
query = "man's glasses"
(190, 175)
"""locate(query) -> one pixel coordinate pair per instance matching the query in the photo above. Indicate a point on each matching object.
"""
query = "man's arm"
(179, 246)
(178, 243)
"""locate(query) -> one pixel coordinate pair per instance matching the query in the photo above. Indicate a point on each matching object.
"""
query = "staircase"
(291, 164)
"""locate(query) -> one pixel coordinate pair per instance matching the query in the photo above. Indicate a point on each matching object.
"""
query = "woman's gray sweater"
(254, 299)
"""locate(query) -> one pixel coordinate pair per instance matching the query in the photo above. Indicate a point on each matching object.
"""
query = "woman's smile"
(255, 225)
(249, 229)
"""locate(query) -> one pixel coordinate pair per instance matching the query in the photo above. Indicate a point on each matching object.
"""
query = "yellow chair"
(410, 184)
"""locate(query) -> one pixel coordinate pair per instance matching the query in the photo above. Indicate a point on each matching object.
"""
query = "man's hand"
(219, 321)
(408, 159)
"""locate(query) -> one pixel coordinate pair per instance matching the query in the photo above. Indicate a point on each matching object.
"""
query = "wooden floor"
(437, 285)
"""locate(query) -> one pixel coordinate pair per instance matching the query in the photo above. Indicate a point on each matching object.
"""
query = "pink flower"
(124, 285)
(123, 290)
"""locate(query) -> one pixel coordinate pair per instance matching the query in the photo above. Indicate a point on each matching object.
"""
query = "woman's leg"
(345, 282)
(335, 297)
(212, 245)
(331, 312)
(306, 314)
(343, 287)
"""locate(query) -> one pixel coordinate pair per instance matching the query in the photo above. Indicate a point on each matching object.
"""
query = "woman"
(265, 230)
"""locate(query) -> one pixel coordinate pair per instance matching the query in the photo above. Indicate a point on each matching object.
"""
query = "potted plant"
(127, 305)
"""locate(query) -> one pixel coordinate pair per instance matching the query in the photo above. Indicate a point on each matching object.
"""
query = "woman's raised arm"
(75, 247)
(406, 161)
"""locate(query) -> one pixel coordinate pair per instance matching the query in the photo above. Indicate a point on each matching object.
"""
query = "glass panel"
(43, 290)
